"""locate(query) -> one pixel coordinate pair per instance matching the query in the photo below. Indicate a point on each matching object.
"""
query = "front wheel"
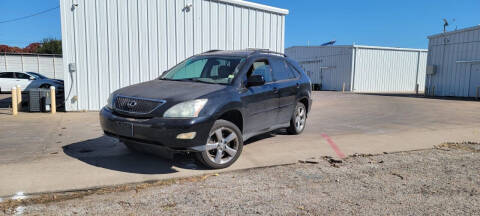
(299, 118)
(224, 146)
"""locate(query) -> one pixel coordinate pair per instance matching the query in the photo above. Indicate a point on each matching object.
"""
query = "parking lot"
(67, 151)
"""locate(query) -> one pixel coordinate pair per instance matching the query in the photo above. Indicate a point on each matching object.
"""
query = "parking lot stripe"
(334, 146)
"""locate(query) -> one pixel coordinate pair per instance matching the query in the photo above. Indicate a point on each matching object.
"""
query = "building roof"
(255, 6)
(363, 46)
(455, 32)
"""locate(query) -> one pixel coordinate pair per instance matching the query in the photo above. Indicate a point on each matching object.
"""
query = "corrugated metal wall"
(456, 56)
(47, 65)
(389, 70)
(329, 66)
(375, 69)
(117, 43)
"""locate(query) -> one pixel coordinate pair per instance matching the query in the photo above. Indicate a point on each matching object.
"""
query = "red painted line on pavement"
(334, 146)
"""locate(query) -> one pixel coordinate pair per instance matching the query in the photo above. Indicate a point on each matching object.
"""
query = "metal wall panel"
(116, 43)
(456, 56)
(384, 70)
(375, 69)
(47, 65)
(328, 66)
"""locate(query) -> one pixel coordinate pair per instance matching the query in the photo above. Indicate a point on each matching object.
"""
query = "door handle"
(275, 90)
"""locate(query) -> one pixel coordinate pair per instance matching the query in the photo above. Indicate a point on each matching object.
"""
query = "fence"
(45, 64)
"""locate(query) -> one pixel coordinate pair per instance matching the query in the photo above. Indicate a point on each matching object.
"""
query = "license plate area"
(125, 128)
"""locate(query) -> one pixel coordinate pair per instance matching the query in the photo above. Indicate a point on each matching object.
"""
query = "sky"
(395, 23)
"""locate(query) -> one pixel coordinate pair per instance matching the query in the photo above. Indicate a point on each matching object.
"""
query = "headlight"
(110, 101)
(189, 109)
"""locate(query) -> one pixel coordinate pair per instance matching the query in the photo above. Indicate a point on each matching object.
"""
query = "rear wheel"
(299, 118)
(224, 146)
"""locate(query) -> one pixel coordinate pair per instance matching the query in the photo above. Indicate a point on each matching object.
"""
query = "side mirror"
(31, 78)
(255, 80)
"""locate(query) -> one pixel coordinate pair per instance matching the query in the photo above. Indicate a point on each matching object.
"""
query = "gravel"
(440, 181)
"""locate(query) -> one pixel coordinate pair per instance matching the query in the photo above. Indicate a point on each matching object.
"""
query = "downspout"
(418, 68)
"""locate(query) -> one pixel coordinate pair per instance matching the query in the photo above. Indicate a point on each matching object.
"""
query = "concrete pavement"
(43, 153)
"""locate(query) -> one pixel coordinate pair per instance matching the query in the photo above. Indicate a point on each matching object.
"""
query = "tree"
(9, 49)
(47, 46)
(50, 46)
(32, 48)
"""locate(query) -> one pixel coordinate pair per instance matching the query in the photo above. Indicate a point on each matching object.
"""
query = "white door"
(7, 81)
(23, 80)
(474, 80)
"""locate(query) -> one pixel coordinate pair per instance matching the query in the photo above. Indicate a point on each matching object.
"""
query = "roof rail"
(266, 51)
(210, 51)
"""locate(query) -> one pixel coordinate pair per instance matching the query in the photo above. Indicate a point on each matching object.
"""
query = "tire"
(219, 155)
(299, 119)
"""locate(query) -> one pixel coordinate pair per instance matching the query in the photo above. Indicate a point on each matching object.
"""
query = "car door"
(23, 80)
(261, 102)
(288, 84)
(7, 81)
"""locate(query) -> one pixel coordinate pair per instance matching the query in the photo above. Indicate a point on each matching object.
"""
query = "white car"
(27, 80)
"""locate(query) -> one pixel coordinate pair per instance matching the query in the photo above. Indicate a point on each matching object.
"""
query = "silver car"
(26, 81)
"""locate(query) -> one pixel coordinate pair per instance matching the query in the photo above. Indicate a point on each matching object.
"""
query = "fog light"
(186, 136)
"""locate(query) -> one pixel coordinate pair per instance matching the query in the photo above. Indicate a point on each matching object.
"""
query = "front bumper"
(157, 131)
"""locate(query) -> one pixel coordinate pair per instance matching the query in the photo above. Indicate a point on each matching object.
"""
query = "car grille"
(135, 105)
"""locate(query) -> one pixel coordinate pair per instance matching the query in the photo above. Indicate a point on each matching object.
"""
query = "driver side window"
(261, 68)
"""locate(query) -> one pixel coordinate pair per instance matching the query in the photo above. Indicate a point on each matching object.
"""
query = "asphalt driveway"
(67, 151)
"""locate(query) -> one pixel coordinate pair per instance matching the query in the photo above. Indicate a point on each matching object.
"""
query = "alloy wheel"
(222, 145)
(300, 118)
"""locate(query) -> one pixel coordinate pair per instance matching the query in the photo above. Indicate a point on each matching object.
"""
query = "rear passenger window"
(6, 75)
(281, 71)
(296, 73)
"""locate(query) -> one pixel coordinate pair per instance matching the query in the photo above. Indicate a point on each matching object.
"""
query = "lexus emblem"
(132, 104)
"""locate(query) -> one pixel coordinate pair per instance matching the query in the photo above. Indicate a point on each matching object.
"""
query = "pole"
(416, 89)
(6, 69)
(14, 102)
(343, 88)
(54, 72)
(53, 104)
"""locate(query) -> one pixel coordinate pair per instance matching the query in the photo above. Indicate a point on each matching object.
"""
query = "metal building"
(48, 65)
(363, 68)
(454, 63)
(109, 44)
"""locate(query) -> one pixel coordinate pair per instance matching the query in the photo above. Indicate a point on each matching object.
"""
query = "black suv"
(210, 103)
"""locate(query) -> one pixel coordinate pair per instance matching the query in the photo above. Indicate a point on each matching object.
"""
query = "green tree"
(50, 46)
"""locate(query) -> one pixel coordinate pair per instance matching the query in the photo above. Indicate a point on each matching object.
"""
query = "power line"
(28, 16)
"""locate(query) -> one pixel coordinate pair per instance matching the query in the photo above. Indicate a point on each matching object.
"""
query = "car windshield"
(218, 70)
(36, 75)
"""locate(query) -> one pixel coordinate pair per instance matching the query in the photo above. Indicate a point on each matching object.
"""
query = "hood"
(169, 90)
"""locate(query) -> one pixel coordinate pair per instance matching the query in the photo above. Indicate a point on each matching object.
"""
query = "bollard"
(14, 102)
(53, 104)
(19, 97)
(343, 88)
